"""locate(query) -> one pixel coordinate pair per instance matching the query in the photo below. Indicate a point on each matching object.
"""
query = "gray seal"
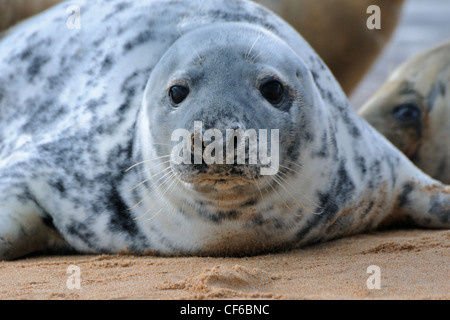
(87, 118)
(412, 110)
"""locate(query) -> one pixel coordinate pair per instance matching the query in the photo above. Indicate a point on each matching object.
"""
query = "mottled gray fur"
(79, 107)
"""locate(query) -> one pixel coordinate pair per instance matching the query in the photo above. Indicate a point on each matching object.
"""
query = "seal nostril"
(193, 140)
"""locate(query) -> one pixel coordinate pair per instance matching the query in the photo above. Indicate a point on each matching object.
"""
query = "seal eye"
(178, 94)
(272, 91)
(407, 112)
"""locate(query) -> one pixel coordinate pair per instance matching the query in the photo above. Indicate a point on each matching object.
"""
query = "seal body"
(412, 109)
(86, 137)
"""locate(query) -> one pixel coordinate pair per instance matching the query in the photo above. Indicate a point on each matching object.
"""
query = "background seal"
(412, 109)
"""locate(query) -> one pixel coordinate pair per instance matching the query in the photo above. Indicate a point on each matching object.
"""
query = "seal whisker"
(140, 184)
(260, 192)
(169, 179)
(298, 202)
(145, 161)
(167, 201)
(173, 209)
(182, 206)
(254, 43)
(300, 167)
(262, 195)
(201, 59)
(262, 51)
(149, 194)
(271, 199)
(282, 199)
(294, 163)
(295, 171)
(148, 169)
(173, 180)
(293, 187)
(254, 59)
(176, 204)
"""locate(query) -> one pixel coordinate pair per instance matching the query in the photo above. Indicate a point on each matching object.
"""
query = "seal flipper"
(423, 203)
(24, 227)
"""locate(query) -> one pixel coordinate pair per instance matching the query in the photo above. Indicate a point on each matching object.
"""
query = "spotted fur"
(80, 107)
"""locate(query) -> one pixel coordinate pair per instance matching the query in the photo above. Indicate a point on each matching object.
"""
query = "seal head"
(258, 83)
(412, 109)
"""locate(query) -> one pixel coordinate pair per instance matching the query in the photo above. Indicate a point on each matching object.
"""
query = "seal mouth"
(217, 175)
(215, 185)
(220, 182)
(229, 192)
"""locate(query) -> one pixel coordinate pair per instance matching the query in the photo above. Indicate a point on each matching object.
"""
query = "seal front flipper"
(423, 203)
(25, 228)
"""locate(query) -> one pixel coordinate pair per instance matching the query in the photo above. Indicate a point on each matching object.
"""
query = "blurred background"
(423, 24)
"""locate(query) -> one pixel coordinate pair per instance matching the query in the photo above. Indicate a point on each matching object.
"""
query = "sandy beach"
(413, 265)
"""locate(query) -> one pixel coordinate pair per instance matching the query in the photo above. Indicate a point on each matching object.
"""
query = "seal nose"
(198, 144)
(229, 144)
